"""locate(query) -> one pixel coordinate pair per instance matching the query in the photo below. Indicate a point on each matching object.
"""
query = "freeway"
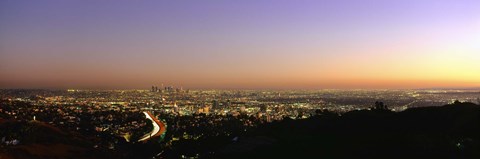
(158, 127)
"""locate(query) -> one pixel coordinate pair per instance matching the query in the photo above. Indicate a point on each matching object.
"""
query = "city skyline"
(326, 44)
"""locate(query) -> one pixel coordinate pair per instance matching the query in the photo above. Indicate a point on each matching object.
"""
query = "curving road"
(158, 127)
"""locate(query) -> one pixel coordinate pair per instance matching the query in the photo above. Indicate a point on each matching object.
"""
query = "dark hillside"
(451, 131)
(40, 140)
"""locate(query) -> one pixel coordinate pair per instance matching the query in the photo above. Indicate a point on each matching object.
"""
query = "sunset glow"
(263, 45)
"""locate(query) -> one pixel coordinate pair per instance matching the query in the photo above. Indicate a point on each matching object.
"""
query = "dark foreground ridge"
(40, 140)
(451, 131)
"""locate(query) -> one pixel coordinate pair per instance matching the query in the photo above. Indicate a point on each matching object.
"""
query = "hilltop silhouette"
(451, 131)
(41, 140)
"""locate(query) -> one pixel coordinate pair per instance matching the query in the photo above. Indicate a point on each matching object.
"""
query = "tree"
(457, 102)
(380, 106)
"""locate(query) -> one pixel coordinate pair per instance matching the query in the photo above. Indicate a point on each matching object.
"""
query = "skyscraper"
(215, 104)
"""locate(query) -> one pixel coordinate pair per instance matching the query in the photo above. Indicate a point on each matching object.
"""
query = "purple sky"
(110, 44)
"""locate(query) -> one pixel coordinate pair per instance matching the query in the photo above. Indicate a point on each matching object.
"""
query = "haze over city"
(344, 44)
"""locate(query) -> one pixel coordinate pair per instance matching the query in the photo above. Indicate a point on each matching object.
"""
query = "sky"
(247, 44)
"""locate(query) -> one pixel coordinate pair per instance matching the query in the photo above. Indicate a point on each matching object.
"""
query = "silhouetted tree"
(380, 106)
(457, 102)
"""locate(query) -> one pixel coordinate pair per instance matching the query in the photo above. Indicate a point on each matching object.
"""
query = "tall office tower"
(216, 104)
(175, 108)
(228, 103)
(263, 108)
(153, 88)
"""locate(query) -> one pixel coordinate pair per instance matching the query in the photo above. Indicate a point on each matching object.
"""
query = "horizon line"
(249, 89)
